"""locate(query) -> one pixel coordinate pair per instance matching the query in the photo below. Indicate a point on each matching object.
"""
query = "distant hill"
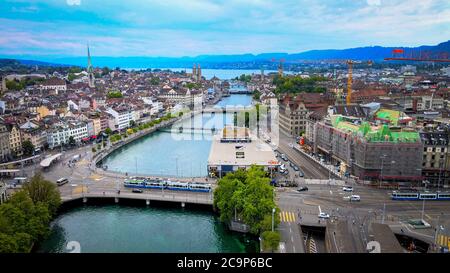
(376, 53)
(244, 61)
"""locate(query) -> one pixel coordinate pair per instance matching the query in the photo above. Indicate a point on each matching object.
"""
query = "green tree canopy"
(25, 217)
(297, 84)
(154, 81)
(247, 195)
(114, 95)
(271, 240)
(41, 190)
(27, 147)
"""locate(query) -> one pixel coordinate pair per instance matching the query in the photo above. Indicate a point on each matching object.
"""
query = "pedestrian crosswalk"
(287, 216)
(443, 241)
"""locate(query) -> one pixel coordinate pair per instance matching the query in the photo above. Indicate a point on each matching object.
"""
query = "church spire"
(90, 69)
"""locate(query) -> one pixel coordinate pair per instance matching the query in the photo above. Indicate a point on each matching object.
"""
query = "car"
(283, 156)
(323, 215)
(286, 172)
(347, 189)
(302, 189)
(356, 198)
(137, 191)
(301, 174)
(297, 169)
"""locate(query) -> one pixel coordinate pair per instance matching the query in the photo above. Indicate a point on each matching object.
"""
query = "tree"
(15, 85)
(71, 77)
(24, 220)
(105, 71)
(114, 95)
(71, 141)
(271, 240)
(44, 191)
(256, 95)
(297, 84)
(154, 81)
(248, 195)
(108, 131)
(27, 147)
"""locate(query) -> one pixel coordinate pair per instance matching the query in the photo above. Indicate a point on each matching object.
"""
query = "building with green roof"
(371, 152)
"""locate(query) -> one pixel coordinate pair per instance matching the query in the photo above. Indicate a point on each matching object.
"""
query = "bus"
(62, 181)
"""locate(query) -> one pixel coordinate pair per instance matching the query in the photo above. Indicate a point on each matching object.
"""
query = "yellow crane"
(350, 64)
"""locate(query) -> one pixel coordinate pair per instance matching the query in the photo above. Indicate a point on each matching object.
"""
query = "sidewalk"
(328, 167)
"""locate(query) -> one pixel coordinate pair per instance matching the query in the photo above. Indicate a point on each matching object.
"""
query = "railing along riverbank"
(98, 157)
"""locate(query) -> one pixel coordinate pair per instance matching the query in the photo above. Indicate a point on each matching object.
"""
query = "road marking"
(282, 247)
(292, 239)
(287, 217)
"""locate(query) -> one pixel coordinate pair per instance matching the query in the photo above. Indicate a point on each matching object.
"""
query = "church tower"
(194, 72)
(90, 70)
(280, 69)
(199, 73)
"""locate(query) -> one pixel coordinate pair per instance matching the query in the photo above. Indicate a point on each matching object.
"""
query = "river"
(139, 229)
(174, 154)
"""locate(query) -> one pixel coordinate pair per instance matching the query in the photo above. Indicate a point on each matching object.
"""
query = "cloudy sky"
(62, 28)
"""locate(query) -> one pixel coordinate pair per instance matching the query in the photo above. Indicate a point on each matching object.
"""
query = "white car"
(323, 215)
(355, 198)
(347, 189)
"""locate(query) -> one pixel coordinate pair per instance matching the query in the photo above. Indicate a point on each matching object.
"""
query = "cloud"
(373, 2)
(179, 27)
(73, 2)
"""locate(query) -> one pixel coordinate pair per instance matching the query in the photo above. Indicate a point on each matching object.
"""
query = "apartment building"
(61, 133)
(436, 155)
(370, 152)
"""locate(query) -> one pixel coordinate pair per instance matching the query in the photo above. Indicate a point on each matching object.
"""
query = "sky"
(175, 28)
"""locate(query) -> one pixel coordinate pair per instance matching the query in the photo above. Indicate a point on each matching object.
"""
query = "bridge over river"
(184, 129)
(147, 196)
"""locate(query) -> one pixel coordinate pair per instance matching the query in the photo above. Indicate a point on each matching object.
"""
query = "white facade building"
(122, 117)
(62, 133)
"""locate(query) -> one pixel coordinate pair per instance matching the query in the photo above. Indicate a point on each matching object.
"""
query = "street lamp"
(423, 202)
(381, 174)
(438, 227)
(273, 218)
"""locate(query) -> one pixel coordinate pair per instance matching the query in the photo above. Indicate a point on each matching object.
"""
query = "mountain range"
(374, 53)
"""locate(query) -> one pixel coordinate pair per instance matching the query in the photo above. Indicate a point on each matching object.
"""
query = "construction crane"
(350, 64)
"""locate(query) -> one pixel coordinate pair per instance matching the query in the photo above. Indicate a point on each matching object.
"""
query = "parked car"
(137, 191)
(296, 168)
(283, 156)
(301, 174)
(302, 189)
